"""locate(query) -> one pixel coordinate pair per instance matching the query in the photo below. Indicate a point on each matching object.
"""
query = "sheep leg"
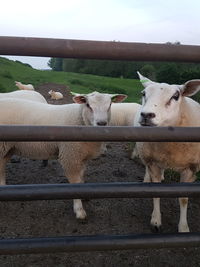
(74, 174)
(79, 210)
(186, 176)
(135, 153)
(154, 174)
(3, 162)
(77, 203)
(147, 178)
(183, 225)
(103, 149)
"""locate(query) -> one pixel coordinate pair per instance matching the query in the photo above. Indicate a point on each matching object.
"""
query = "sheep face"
(161, 102)
(96, 109)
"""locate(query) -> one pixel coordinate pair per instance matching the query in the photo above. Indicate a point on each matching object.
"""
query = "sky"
(148, 21)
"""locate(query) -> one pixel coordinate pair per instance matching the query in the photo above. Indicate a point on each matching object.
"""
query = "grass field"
(11, 71)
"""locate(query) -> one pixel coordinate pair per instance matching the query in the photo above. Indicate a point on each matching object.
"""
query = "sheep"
(55, 95)
(28, 95)
(122, 114)
(168, 105)
(93, 109)
(22, 86)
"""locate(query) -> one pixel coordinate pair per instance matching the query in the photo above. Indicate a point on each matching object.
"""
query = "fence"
(97, 50)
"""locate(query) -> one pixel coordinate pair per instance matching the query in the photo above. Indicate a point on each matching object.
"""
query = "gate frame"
(47, 47)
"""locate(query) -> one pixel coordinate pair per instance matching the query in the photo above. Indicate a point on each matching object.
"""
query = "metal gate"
(97, 50)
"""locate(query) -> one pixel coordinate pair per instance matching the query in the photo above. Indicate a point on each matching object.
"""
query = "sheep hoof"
(183, 229)
(81, 215)
(156, 228)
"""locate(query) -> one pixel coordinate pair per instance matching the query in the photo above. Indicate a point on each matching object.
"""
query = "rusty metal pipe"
(68, 48)
(100, 133)
(97, 190)
(96, 243)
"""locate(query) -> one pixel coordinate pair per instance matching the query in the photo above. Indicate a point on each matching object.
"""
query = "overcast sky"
(151, 21)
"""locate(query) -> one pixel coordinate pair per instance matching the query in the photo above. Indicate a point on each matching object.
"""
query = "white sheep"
(22, 86)
(122, 114)
(168, 105)
(94, 109)
(55, 95)
(28, 95)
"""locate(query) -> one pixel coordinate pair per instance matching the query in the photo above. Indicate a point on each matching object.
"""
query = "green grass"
(11, 71)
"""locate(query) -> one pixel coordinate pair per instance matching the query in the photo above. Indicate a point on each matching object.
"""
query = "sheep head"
(96, 107)
(161, 102)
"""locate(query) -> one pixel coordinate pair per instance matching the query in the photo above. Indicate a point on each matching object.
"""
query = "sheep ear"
(144, 81)
(79, 99)
(118, 98)
(190, 88)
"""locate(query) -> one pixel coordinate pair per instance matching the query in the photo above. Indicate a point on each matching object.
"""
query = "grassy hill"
(11, 71)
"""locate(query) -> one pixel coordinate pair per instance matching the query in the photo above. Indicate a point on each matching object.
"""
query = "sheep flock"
(162, 105)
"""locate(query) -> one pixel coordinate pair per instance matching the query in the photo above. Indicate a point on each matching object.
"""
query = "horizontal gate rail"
(100, 133)
(65, 48)
(68, 48)
(96, 243)
(97, 190)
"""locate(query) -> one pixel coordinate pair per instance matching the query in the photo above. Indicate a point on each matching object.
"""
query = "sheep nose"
(149, 115)
(101, 123)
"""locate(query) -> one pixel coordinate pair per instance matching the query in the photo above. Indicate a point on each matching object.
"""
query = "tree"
(56, 64)
(190, 74)
(149, 71)
(50, 62)
(168, 73)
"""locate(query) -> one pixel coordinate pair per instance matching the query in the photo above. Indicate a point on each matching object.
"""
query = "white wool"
(94, 109)
(28, 95)
(36, 113)
(123, 114)
(55, 95)
(167, 105)
(22, 86)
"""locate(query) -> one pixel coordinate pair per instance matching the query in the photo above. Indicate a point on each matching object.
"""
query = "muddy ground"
(105, 216)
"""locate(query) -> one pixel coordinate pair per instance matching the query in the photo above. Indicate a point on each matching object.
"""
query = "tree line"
(177, 73)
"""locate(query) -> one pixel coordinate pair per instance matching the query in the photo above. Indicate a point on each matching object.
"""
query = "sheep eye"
(143, 93)
(176, 96)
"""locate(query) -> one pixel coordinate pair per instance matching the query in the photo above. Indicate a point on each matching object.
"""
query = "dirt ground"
(105, 216)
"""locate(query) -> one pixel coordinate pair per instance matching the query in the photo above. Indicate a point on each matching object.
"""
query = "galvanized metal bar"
(96, 243)
(48, 47)
(97, 190)
(100, 133)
